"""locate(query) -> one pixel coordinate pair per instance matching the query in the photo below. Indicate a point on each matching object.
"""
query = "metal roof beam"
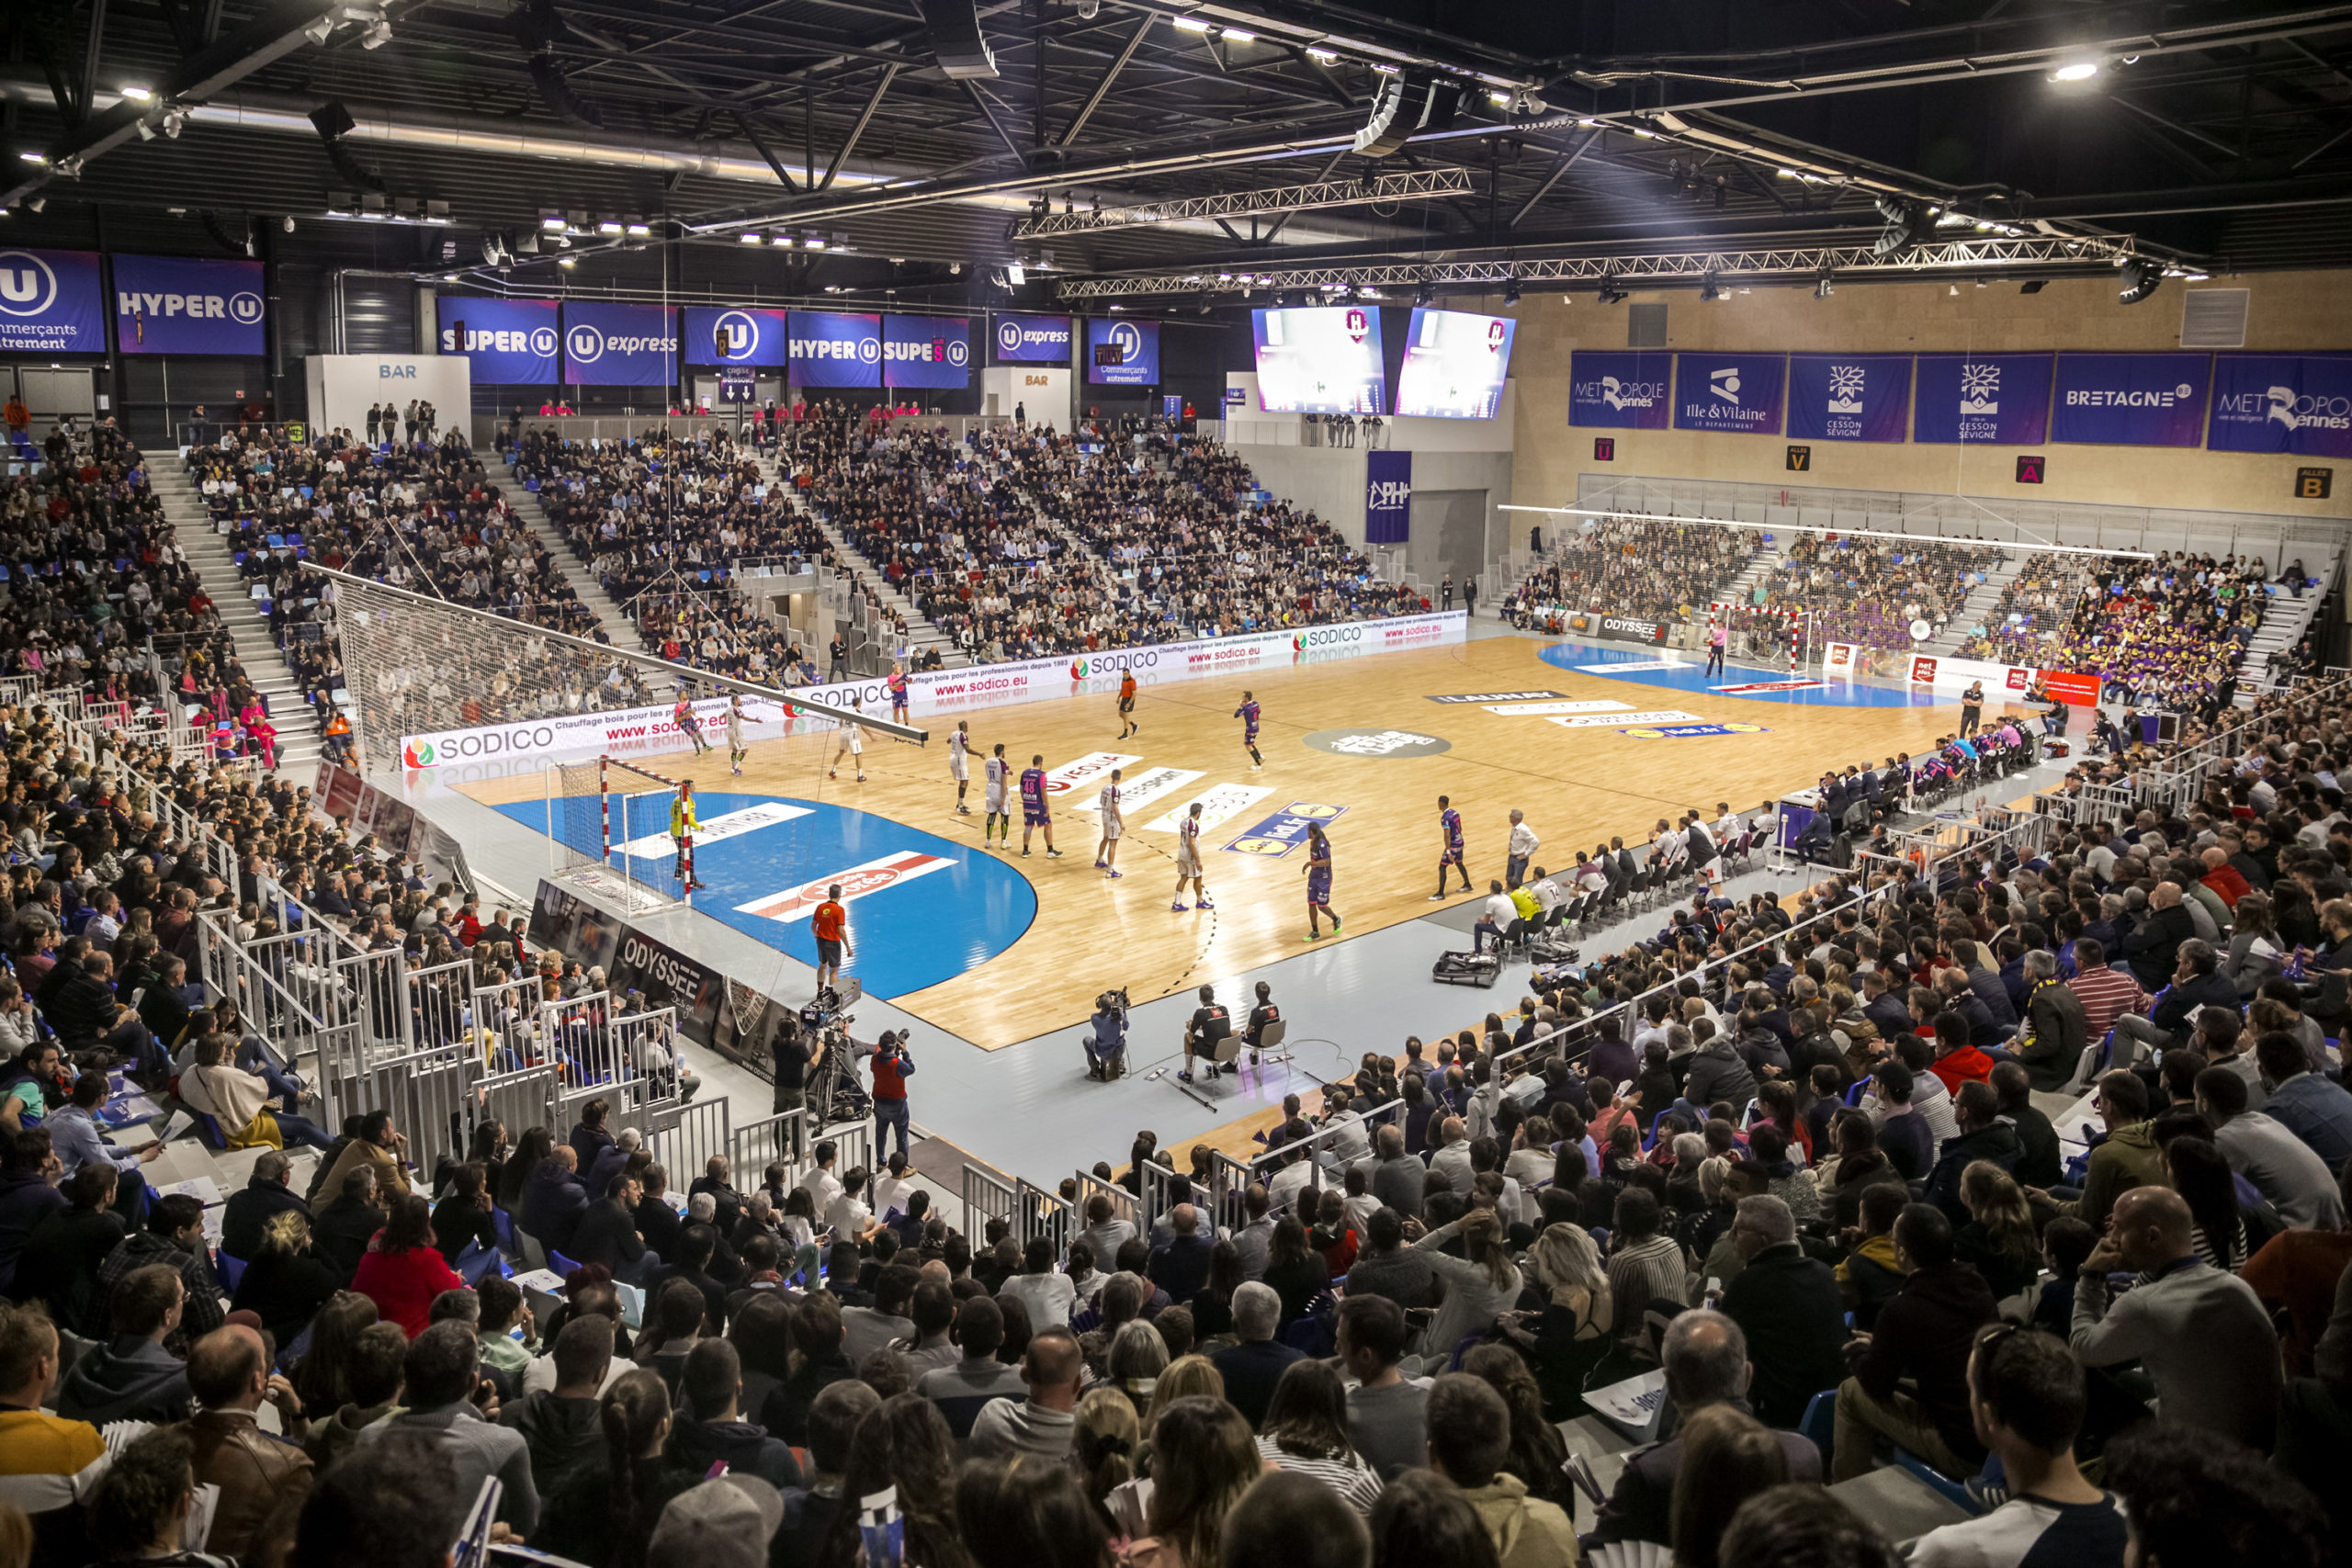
(1420, 186)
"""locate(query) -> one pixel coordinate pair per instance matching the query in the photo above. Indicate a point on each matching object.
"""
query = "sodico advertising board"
(942, 691)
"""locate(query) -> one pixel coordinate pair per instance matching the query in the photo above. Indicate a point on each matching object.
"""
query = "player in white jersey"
(735, 747)
(1188, 862)
(1000, 786)
(1114, 824)
(852, 744)
(959, 763)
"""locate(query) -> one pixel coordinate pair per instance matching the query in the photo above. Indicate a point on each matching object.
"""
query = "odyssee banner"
(1139, 349)
(2132, 400)
(926, 351)
(1031, 340)
(51, 302)
(509, 341)
(1998, 398)
(2282, 402)
(1735, 392)
(1620, 391)
(943, 692)
(836, 348)
(611, 344)
(754, 337)
(174, 305)
(1849, 397)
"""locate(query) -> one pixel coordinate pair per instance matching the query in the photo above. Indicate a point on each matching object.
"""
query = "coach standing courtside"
(1522, 848)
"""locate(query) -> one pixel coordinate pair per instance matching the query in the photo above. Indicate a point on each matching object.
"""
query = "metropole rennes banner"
(509, 341)
(175, 305)
(1849, 397)
(1735, 392)
(1620, 391)
(737, 334)
(926, 351)
(2003, 398)
(2132, 400)
(2280, 402)
(51, 302)
(608, 343)
(836, 348)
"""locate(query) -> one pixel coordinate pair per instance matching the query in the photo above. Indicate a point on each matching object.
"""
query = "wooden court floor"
(1578, 785)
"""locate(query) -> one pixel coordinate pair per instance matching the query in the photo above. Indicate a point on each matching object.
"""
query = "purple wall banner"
(1032, 340)
(2132, 400)
(926, 351)
(836, 348)
(1139, 353)
(510, 341)
(1998, 398)
(2281, 403)
(608, 345)
(1620, 391)
(754, 337)
(1387, 497)
(51, 302)
(1849, 397)
(175, 305)
(1736, 392)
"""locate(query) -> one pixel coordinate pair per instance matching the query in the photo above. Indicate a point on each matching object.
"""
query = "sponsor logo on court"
(1219, 807)
(1682, 731)
(1094, 769)
(1769, 686)
(1378, 743)
(1142, 789)
(856, 881)
(1534, 710)
(1612, 720)
(1284, 830)
(1471, 697)
(1624, 665)
(727, 825)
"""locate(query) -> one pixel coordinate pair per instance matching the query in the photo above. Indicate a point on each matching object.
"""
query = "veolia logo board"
(51, 302)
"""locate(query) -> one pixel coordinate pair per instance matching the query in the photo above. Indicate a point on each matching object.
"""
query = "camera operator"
(1106, 1046)
(791, 1050)
(891, 1067)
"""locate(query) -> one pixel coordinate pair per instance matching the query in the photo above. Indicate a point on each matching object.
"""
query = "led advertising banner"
(750, 336)
(1620, 391)
(836, 348)
(1849, 397)
(1456, 364)
(510, 341)
(1122, 354)
(1032, 340)
(51, 302)
(2132, 400)
(2280, 402)
(174, 305)
(620, 346)
(1387, 497)
(1735, 392)
(926, 351)
(1323, 359)
(2000, 398)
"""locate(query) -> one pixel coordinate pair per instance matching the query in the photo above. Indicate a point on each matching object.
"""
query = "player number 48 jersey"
(1032, 786)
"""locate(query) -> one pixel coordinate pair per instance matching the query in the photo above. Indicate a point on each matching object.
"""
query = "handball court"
(1018, 967)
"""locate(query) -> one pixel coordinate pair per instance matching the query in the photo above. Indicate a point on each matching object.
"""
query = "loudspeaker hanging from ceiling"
(955, 28)
(1408, 106)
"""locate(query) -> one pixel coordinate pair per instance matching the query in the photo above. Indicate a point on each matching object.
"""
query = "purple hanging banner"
(176, 305)
(2132, 400)
(1735, 392)
(1620, 391)
(1387, 497)
(1849, 397)
(2003, 398)
(2282, 402)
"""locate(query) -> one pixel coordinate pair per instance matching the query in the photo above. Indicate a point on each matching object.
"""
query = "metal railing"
(986, 1197)
(696, 1132)
(771, 1140)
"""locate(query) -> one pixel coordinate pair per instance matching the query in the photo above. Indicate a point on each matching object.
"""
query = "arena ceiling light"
(2075, 71)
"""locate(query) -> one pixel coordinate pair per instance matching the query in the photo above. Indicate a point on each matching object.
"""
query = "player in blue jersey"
(1318, 882)
(1248, 714)
(1033, 814)
(1448, 852)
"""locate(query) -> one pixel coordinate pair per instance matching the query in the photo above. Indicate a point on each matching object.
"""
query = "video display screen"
(1454, 364)
(1319, 359)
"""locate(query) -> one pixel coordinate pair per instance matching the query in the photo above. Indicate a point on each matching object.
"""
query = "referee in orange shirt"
(830, 924)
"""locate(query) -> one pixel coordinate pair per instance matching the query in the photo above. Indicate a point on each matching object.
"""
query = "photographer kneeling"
(1106, 1046)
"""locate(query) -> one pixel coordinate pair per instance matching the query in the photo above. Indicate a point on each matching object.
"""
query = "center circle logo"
(1008, 336)
(543, 342)
(586, 345)
(958, 352)
(28, 286)
(1129, 338)
(246, 308)
(2184, 391)
(1378, 743)
(743, 340)
(869, 349)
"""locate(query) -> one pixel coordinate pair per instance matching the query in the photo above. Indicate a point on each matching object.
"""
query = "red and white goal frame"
(1793, 621)
(606, 767)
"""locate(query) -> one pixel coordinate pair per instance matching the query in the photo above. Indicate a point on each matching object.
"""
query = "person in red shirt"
(2228, 883)
(402, 1270)
(1958, 1061)
(829, 925)
(892, 1068)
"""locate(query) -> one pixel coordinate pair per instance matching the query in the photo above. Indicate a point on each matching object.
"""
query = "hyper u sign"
(51, 302)
(836, 348)
(175, 305)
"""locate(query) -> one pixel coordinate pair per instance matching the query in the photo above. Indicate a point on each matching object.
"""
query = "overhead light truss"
(1419, 185)
(1793, 264)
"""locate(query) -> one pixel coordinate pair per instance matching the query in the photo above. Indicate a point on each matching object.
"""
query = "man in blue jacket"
(2196, 983)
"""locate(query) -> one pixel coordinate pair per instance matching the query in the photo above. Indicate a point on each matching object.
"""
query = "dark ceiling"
(2214, 136)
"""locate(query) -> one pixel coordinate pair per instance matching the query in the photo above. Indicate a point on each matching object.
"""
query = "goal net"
(611, 825)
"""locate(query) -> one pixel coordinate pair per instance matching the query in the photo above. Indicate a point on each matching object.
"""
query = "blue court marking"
(929, 928)
(1692, 678)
